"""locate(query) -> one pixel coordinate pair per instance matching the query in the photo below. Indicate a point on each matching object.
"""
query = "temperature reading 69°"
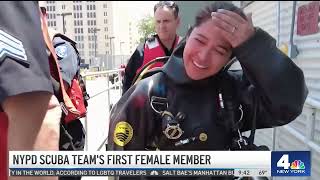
(262, 172)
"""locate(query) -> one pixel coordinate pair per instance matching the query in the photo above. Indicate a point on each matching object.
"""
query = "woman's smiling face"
(206, 51)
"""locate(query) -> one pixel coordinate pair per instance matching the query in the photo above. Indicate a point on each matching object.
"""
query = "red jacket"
(152, 50)
(3, 146)
(144, 53)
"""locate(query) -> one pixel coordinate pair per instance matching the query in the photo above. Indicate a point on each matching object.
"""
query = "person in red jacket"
(166, 17)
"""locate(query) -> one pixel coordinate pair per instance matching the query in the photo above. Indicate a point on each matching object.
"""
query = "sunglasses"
(168, 3)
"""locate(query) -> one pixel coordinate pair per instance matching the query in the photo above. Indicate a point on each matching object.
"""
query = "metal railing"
(117, 84)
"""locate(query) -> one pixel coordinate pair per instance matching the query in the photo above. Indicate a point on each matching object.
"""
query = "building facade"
(89, 23)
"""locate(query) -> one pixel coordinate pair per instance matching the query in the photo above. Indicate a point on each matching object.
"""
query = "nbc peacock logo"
(297, 164)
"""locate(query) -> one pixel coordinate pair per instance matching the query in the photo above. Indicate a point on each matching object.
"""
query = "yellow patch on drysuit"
(123, 133)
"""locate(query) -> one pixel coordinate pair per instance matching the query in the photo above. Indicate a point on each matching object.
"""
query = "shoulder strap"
(54, 67)
(144, 70)
(232, 104)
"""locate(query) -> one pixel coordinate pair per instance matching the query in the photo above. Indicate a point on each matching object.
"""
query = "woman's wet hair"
(204, 14)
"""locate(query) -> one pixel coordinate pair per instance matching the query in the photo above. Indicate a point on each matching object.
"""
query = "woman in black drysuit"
(192, 104)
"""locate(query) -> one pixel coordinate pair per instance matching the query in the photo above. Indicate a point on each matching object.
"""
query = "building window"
(105, 21)
(105, 14)
(63, 6)
(104, 5)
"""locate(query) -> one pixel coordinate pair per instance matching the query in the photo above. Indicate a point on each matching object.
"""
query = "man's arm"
(134, 63)
(25, 85)
(33, 121)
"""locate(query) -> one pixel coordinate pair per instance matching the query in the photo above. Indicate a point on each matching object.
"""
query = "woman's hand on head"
(233, 27)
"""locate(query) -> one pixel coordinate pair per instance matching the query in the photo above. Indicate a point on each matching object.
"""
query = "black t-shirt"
(24, 65)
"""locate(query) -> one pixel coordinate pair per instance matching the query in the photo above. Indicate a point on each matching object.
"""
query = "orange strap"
(54, 67)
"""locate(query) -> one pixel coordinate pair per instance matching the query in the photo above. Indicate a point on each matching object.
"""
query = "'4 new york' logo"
(290, 163)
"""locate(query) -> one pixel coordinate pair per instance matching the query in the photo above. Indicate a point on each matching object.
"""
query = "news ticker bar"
(242, 163)
(141, 172)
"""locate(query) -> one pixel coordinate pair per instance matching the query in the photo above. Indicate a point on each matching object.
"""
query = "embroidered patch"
(123, 133)
(62, 51)
(11, 47)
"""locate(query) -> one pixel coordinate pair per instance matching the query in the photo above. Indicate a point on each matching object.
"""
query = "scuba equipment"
(171, 126)
(144, 70)
(228, 107)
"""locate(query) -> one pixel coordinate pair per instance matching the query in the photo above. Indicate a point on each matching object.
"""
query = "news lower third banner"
(159, 163)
